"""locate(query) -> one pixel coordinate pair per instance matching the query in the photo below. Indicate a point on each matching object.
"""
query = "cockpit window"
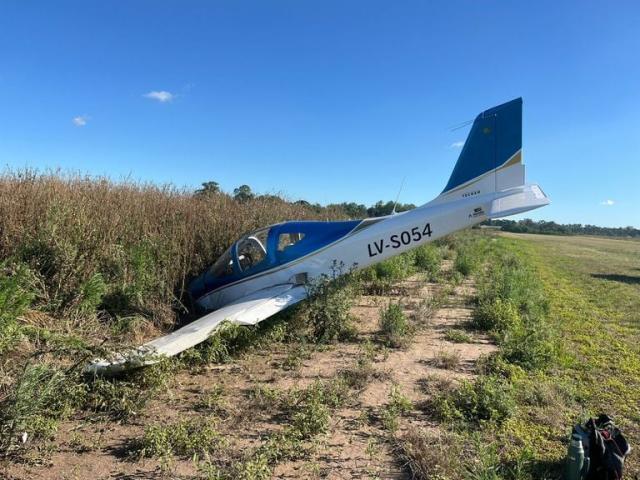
(252, 249)
(223, 266)
(286, 240)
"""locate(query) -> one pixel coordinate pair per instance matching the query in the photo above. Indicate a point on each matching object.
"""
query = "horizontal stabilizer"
(518, 200)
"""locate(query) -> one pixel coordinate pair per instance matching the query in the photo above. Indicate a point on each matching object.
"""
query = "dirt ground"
(354, 446)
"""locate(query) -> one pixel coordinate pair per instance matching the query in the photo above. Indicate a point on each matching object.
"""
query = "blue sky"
(325, 100)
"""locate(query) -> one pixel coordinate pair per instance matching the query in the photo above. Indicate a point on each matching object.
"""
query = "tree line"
(552, 228)
(382, 208)
(351, 209)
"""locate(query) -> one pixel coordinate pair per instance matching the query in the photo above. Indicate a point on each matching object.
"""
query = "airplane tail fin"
(491, 162)
(491, 158)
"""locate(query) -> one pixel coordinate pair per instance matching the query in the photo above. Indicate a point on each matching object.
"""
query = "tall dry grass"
(124, 248)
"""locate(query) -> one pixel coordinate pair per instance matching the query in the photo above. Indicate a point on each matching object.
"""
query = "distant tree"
(243, 193)
(381, 208)
(272, 198)
(351, 209)
(208, 188)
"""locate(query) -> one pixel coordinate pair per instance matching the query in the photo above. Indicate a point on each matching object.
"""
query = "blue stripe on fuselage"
(316, 236)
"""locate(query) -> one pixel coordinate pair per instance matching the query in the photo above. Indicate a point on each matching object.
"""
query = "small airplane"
(270, 269)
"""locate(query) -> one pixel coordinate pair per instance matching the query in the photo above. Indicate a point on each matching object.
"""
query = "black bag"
(606, 448)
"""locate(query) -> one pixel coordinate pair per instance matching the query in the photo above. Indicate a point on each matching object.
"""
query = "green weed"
(457, 336)
(214, 401)
(329, 305)
(185, 438)
(466, 262)
(228, 340)
(394, 325)
(398, 405)
(427, 258)
(124, 397)
(359, 376)
(488, 398)
(32, 406)
(382, 277)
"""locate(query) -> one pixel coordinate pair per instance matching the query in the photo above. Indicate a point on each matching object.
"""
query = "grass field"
(593, 288)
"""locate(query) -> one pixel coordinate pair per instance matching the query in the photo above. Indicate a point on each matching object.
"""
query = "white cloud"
(80, 120)
(161, 96)
(459, 144)
(607, 203)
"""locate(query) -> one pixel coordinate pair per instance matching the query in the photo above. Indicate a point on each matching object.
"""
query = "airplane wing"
(248, 311)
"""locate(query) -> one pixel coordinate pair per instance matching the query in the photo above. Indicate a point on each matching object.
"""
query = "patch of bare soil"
(355, 447)
(356, 444)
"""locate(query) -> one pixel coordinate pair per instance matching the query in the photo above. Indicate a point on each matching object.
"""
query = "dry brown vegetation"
(129, 246)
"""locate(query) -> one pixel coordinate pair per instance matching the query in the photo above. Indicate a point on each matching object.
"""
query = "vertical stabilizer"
(491, 158)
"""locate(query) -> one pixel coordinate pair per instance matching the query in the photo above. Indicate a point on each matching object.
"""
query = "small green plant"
(394, 325)
(295, 356)
(358, 377)
(488, 398)
(381, 277)
(466, 261)
(395, 268)
(214, 401)
(398, 405)
(124, 397)
(308, 412)
(512, 306)
(496, 316)
(312, 416)
(329, 305)
(372, 449)
(185, 438)
(255, 468)
(457, 336)
(531, 346)
(227, 341)
(31, 408)
(91, 294)
(264, 397)
(427, 258)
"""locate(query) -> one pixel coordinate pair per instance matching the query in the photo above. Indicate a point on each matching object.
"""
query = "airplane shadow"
(616, 277)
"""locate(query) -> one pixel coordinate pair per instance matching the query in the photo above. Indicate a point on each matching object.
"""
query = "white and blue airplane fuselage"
(269, 269)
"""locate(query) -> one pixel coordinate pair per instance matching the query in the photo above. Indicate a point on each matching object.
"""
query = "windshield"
(252, 249)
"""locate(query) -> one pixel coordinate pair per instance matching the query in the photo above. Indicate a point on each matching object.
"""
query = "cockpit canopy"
(268, 248)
